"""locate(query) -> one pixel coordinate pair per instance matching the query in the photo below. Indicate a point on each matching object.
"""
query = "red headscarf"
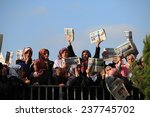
(42, 52)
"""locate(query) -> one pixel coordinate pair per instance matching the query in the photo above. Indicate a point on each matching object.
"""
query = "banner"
(97, 36)
(69, 32)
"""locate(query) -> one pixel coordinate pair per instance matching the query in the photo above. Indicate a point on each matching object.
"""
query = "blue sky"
(40, 23)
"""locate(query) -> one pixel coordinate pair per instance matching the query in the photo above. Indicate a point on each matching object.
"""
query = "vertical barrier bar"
(23, 94)
(39, 93)
(60, 93)
(53, 93)
(67, 91)
(74, 93)
(110, 96)
(31, 94)
(103, 93)
(81, 93)
(46, 92)
(132, 95)
(96, 93)
(89, 95)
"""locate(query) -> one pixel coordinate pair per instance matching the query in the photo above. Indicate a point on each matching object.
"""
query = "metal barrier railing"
(53, 92)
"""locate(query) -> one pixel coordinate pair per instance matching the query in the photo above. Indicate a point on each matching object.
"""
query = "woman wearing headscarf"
(26, 56)
(59, 62)
(43, 68)
(84, 56)
(26, 59)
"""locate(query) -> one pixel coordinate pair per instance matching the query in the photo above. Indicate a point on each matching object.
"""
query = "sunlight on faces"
(65, 54)
(130, 59)
(28, 54)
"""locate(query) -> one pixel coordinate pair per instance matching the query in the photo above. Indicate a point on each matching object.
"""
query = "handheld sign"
(97, 36)
(9, 57)
(96, 64)
(69, 33)
(109, 54)
(117, 88)
(126, 48)
(19, 54)
(2, 60)
(72, 61)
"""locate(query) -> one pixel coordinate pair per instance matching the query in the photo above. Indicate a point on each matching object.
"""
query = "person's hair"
(140, 60)
(42, 51)
(27, 49)
(87, 51)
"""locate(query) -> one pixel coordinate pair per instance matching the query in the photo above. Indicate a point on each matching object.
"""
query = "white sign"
(69, 33)
(109, 54)
(96, 64)
(2, 60)
(19, 54)
(97, 36)
(117, 88)
(126, 48)
(72, 61)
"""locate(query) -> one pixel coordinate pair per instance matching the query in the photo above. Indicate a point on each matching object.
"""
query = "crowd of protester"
(44, 71)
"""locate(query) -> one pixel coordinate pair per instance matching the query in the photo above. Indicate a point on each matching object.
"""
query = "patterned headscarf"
(61, 51)
(27, 49)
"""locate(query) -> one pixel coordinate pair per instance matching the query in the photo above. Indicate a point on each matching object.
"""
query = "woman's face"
(46, 55)
(65, 54)
(28, 54)
(130, 59)
(111, 71)
(108, 69)
(85, 55)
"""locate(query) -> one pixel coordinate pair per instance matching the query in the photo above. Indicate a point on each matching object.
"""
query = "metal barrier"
(53, 92)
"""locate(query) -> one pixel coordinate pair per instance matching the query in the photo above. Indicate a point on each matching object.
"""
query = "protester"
(85, 55)
(112, 77)
(121, 67)
(26, 60)
(43, 68)
(130, 60)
